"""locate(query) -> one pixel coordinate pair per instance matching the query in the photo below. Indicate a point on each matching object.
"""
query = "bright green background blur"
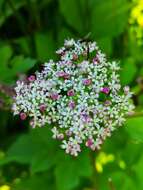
(30, 32)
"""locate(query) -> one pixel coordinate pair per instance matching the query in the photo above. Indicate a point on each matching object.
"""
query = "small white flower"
(69, 43)
(55, 132)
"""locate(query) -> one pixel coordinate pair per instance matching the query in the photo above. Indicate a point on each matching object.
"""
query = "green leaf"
(87, 16)
(134, 127)
(23, 45)
(45, 46)
(42, 162)
(128, 71)
(5, 54)
(131, 157)
(69, 171)
(35, 182)
(138, 168)
(7, 10)
(47, 156)
(122, 179)
(11, 68)
(108, 18)
(24, 149)
(36, 149)
(20, 64)
(105, 44)
(75, 17)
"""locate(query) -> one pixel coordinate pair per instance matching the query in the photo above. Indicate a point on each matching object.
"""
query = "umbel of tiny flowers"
(79, 96)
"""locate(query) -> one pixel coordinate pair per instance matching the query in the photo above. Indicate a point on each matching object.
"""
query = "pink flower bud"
(60, 136)
(42, 107)
(66, 76)
(85, 53)
(23, 116)
(105, 90)
(68, 62)
(95, 60)
(61, 51)
(89, 142)
(70, 92)
(72, 104)
(31, 78)
(107, 103)
(63, 74)
(87, 82)
(86, 118)
(55, 96)
(126, 89)
(75, 57)
(68, 133)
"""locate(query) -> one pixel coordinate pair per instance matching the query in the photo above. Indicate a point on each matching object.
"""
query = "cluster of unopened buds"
(79, 97)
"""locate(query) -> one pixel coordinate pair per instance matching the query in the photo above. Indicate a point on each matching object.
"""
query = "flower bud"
(31, 78)
(23, 116)
(70, 92)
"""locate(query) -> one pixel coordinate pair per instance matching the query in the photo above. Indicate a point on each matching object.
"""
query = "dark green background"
(30, 32)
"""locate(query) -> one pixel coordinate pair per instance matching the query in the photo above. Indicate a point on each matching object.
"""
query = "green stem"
(111, 185)
(34, 13)
(94, 174)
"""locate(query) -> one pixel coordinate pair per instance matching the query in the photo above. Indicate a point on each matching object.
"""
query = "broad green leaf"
(131, 153)
(134, 126)
(105, 44)
(122, 179)
(42, 162)
(10, 68)
(138, 168)
(20, 64)
(24, 149)
(108, 18)
(115, 180)
(35, 148)
(35, 182)
(9, 8)
(5, 54)
(6, 9)
(45, 46)
(47, 156)
(101, 18)
(69, 171)
(76, 17)
(23, 45)
(128, 71)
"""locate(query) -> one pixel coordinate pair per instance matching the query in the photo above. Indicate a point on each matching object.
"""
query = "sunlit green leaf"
(128, 71)
(134, 126)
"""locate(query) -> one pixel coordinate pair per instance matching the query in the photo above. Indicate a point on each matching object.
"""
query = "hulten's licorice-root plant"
(79, 97)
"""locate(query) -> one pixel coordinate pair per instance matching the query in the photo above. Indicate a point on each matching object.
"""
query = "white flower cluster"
(80, 96)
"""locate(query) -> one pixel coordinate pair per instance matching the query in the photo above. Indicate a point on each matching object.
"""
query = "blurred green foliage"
(30, 32)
